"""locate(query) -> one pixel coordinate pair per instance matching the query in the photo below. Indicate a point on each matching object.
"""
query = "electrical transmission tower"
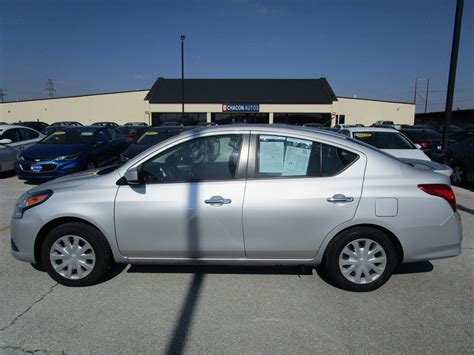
(3, 94)
(50, 88)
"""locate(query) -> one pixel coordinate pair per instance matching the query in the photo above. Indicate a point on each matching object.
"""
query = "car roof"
(9, 126)
(370, 129)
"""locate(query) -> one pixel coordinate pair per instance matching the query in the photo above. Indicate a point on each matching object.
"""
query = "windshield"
(384, 140)
(155, 137)
(76, 136)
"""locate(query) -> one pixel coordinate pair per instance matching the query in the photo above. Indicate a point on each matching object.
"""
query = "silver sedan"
(238, 194)
(13, 140)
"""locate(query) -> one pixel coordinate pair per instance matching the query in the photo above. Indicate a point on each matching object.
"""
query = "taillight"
(440, 190)
(130, 139)
(423, 144)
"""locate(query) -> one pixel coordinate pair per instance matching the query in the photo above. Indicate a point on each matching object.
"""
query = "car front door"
(297, 191)
(189, 204)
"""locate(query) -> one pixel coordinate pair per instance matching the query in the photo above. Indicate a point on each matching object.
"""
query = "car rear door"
(297, 191)
(10, 151)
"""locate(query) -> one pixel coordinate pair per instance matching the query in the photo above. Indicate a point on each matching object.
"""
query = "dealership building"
(223, 101)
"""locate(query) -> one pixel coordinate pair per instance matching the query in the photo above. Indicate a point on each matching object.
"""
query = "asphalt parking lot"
(424, 308)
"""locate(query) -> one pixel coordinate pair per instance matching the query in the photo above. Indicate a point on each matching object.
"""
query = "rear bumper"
(436, 242)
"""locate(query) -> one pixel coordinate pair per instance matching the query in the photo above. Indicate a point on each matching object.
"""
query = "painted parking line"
(4, 229)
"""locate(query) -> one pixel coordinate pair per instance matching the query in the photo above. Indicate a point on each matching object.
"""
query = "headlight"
(68, 157)
(27, 201)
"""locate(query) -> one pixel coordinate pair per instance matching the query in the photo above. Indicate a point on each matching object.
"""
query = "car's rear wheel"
(76, 254)
(360, 259)
(458, 177)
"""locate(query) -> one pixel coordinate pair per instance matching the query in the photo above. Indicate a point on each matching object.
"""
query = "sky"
(365, 48)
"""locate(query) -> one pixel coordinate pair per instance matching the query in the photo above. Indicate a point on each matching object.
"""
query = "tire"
(85, 266)
(346, 253)
(458, 176)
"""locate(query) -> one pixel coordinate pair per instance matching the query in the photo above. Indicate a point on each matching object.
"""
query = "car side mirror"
(418, 146)
(132, 176)
(5, 141)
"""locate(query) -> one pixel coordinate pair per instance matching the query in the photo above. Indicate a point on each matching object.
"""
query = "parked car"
(105, 124)
(13, 140)
(69, 150)
(453, 129)
(312, 125)
(395, 143)
(172, 123)
(67, 124)
(248, 194)
(136, 124)
(132, 133)
(430, 141)
(4, 124)
(36, 125)
(461, 159)
(151, 137)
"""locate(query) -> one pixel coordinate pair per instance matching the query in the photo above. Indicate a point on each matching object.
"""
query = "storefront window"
(237, 117)
(189, 119)
(302, 118)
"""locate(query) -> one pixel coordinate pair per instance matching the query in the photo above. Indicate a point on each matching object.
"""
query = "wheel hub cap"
(362, 261)
(72, 257)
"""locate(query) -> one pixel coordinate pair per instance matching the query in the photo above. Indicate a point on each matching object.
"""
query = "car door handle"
(340, 198)
(218, 200)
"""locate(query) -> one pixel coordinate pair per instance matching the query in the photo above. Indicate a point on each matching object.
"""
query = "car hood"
(428, 165)
(54, 150)
(407, 154)
(135, 149)
(77, 179)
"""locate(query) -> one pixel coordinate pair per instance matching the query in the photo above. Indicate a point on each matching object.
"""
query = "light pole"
(452, 73)
(183, 37)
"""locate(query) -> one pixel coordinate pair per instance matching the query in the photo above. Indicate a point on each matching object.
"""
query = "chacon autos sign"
(240, 108)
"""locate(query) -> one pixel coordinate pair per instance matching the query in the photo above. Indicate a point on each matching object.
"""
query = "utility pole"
(183, 37)
(414, 97)
(50, 88)
(452, 73)
(3, 94)
(427, 91)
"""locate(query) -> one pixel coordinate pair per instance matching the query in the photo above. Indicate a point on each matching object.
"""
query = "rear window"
(384, 140)
(422, 134)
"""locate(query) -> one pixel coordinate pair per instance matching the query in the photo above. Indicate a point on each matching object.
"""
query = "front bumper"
(23, 236)
(46, 170)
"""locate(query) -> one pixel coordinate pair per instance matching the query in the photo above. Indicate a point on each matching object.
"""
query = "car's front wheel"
(76, 254)
(360, 259)
(458, 177)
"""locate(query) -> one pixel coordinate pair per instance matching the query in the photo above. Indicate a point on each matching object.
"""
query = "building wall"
(131, 106)
(367, 112)
(117, 107)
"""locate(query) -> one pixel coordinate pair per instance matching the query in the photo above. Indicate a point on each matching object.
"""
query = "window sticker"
(87, 134)
(271, 154)
(57, 133)
(151, 133)
(296, 157)
(362, 135)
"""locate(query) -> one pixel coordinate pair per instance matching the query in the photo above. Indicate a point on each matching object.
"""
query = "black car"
(136, 124)
(36, 125)
(461, 159)
(151, 137)
(132, 133)
(431, 141)
(67, 124)
(105, 124)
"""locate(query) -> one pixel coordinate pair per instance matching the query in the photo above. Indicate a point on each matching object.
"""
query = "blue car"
(69, 150)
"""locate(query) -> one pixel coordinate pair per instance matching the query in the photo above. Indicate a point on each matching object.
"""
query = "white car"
(395, 143)
(14, 139)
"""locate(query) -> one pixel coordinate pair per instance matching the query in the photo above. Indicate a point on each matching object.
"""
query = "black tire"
(336, 246)
(100, 246)
(458, 176)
